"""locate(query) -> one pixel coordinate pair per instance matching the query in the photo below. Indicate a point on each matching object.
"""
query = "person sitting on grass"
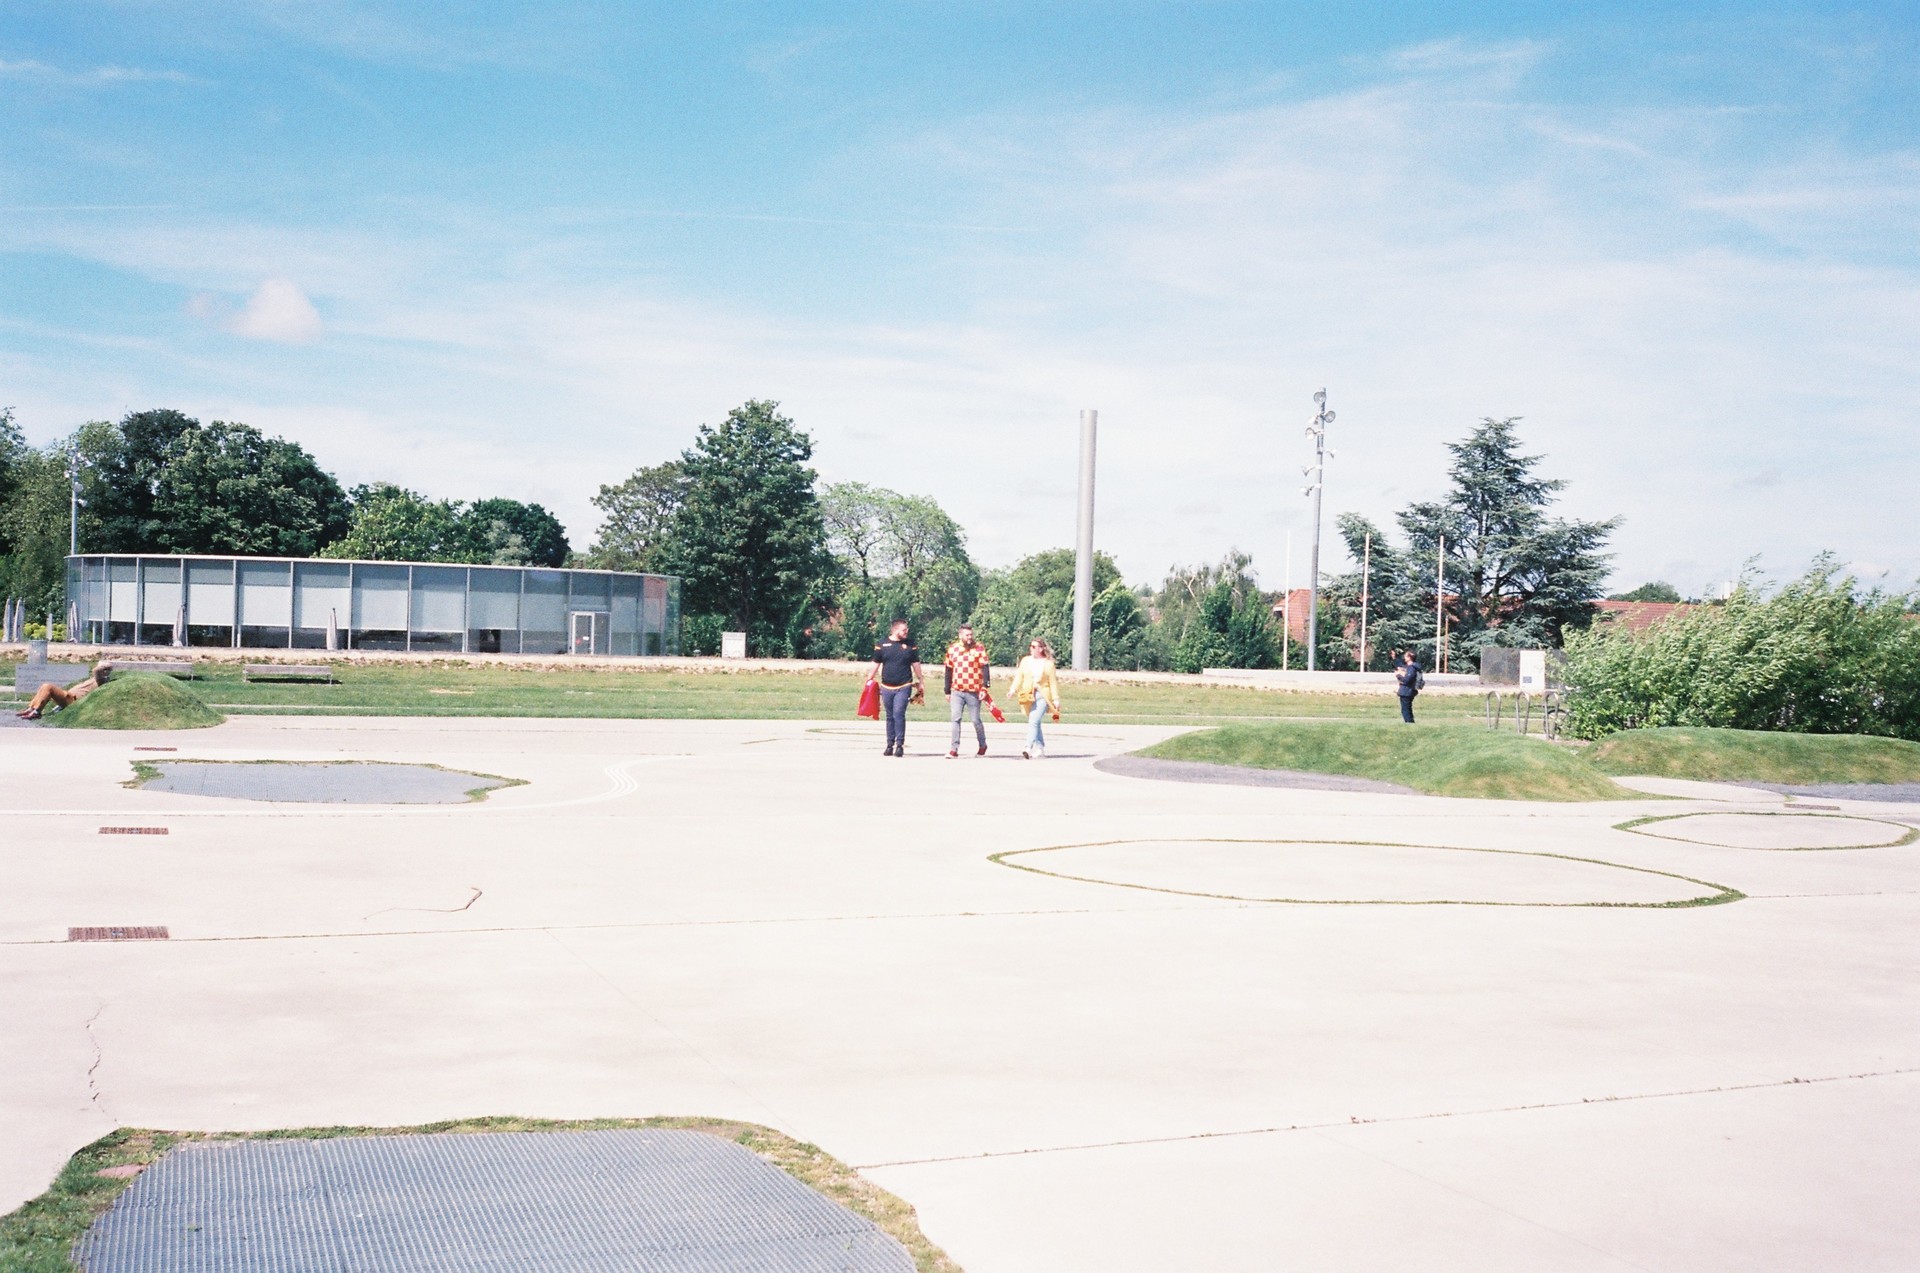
(50, 693)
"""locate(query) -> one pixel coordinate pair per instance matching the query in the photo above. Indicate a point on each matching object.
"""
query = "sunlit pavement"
(1099, 1057)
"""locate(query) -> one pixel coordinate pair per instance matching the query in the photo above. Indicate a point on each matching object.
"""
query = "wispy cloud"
(276, 311)
(94, 77)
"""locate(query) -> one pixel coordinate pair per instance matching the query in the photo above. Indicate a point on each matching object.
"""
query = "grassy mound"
(138, 700)
(1746, 755)
(1445, 760)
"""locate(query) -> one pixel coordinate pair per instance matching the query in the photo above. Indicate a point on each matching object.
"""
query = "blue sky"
(521, 251)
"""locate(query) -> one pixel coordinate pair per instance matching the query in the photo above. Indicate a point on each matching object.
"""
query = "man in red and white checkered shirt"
(968, 675)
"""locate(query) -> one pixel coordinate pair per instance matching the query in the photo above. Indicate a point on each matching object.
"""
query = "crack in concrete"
(99, 1056)
(433, 910)
(1356, 1121)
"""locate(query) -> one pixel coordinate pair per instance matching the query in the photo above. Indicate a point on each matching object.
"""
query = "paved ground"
(1068, 1068)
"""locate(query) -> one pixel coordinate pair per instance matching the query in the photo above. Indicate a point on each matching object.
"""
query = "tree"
(637, 518)
(1513, 574)
(124, 464)
(1658, 590)
(391, 523)
(505, 532)
(33, 526)
(748, 540)
(898, 557)
(1034, 598)
(228, 488)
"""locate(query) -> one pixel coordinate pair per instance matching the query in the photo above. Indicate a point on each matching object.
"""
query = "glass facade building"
(284, 603)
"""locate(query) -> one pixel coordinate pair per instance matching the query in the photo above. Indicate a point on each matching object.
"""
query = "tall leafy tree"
(1513, 574)
(748, 540)
(899, 557)
(506, 532)
(124, 466)
(391, 523)
(637, 518)
(228, 488)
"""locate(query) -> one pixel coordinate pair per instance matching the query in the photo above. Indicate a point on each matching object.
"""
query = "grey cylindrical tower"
(1083, 554)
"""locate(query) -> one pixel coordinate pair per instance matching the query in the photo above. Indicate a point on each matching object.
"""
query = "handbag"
(869, 702)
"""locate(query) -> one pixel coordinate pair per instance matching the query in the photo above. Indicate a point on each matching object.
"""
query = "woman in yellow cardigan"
(1038, 693)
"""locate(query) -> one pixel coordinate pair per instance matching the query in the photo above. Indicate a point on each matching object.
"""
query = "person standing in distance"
(968, 675)
(1038, 693)
(896, 667)
(1411, 681)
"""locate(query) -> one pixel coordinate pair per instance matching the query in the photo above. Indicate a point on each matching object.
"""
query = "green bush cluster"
(1819, 656)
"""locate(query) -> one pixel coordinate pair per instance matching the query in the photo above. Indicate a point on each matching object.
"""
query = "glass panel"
(160, 581)
(625, 618)
(123, 596)
(273, 637)
(320, 594)
(543, 623)
(671, 638)
(496, 599)
(209, 595)
(586, 592)
(440, 599)
(266, 597)
(379, 601)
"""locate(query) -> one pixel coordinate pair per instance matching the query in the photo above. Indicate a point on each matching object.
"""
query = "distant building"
(280, 603)
(1638, 616)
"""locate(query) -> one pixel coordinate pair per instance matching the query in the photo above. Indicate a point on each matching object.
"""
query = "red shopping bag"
(992, 708)
(869, 702)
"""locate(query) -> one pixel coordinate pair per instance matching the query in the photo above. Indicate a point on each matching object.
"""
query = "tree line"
(812, 569)
(162, 482)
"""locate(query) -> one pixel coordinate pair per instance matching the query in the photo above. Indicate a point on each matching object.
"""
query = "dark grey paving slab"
(319, 784)
(665, 1201)
(1240, 776)
(1892, 792)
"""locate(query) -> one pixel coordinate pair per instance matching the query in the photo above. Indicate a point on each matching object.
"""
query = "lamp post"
(73, 501)
(1318, 472)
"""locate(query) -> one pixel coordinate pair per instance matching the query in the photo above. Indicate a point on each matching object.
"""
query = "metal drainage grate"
(135, 932)
(133, 831)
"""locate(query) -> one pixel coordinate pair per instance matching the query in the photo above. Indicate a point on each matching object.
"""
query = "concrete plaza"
(1115, 1059)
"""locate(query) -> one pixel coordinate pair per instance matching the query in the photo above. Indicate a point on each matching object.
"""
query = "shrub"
(1820, 656)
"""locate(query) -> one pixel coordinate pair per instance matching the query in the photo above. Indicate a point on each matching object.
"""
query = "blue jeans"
(1036, 737)
(893, 705)
(1406, 708)
(965, 701)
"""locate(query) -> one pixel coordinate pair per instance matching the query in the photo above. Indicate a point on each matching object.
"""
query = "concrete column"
(1083, 555)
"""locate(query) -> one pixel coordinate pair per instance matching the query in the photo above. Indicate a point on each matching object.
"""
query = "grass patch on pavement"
(1440, 760)
(1746, 755)
(39, 1237)
(637, 692)
(137, 700)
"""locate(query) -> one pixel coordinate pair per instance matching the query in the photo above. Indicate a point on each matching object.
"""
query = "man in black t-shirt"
(896, 668)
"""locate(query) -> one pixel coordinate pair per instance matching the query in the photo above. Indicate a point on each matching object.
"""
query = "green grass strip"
(1746, 755)
(1721, 895)
(1441, 760)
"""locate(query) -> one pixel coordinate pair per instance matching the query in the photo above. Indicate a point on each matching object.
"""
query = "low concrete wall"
(1341, 682)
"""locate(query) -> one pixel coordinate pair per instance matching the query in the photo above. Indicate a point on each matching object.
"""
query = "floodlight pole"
(1318, 432)
(1286, 610)
(1439, 599)
(1366, 575)
(73, 501)
(1083, 556)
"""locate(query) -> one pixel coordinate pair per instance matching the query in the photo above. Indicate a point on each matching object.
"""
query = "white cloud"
(94, 77)
(278, 311)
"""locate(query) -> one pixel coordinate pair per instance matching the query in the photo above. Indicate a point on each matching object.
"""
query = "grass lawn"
(1444, 760)
(1744, 755)
(451, 689)
(39, 1237)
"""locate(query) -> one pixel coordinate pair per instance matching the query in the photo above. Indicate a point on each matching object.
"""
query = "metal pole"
(1439, 599)
(1366, 574)
(73, 501)
(1083, 556)
(1286, 608)
(1318, 431)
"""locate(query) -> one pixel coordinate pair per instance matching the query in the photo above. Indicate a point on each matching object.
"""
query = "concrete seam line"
(1356, 1121)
